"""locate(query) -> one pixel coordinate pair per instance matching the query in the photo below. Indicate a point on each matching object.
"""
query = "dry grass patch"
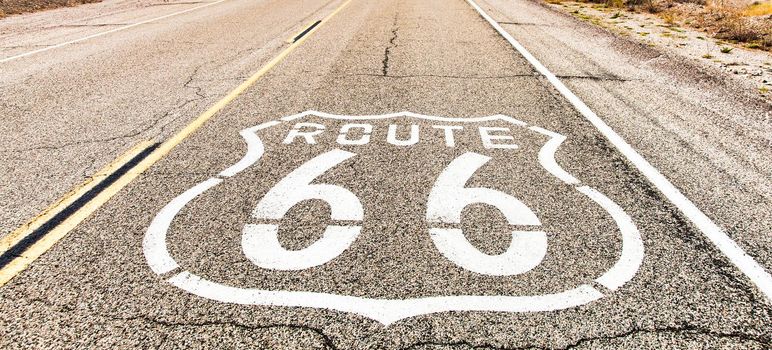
(758, 9)
(732, 22)
(739, 21)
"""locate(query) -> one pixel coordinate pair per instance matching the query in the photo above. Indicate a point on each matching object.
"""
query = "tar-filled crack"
(26, 46)
(65, 308)
(597, 78)
(392, 45)
(96, 25)
(325, 339)
(466, 77)
(683, 329)
(454, 344)
(166, 3)
(482, 77)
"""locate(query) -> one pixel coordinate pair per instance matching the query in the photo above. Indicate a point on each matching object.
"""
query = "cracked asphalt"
(398, 181)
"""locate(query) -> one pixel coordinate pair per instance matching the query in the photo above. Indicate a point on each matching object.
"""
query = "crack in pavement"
(167, 3)
(684, 329)
(684, 229)
(96, 25)
(27, 46)
(387, 51)
(471, 77)
(326, 339)
(548, 25)
(200, 96)
(198, 91)
(596, 78)
(461, 343)
(504, 76)
(188, 84)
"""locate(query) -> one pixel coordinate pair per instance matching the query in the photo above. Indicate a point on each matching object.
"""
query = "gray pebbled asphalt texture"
(95, 289)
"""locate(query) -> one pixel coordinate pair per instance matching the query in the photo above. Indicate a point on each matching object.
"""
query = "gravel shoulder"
(705, 129)
(752, 66)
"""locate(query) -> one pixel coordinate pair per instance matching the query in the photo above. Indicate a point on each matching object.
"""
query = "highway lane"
(72, 110)
(600, 259)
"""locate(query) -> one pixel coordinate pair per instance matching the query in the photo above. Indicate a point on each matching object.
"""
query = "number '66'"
(447, 200)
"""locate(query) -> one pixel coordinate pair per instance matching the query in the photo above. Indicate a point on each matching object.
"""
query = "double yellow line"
(25, 239)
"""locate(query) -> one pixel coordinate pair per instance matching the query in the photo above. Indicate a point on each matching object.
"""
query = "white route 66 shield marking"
(447, 199)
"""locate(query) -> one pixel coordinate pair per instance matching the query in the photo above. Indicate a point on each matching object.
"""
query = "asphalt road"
(405, 176)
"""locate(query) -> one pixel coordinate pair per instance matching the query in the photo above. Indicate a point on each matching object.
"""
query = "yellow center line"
(62, 229)
(69, 198)
(21, 262)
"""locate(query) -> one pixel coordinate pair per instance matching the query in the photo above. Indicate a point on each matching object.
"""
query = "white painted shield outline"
(388, 311)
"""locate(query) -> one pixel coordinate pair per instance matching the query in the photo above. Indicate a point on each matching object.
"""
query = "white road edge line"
(55, 46)
(760, 277)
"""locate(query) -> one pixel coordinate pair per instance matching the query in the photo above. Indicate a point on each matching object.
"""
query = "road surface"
(359, 174)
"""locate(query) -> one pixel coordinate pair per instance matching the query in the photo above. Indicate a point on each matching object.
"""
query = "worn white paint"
(255, 149)
(306, 131)
(632, 246)
(448, 131)
(296, 187)
(447, 201)
(343, 137)
(385, 311)
(526, 251)
(260, 244)
(496, 137)
(547, 156)
(154, 243)
(448, 197)
(391, 136)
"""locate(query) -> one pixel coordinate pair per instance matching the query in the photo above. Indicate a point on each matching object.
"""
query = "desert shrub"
(730, 24)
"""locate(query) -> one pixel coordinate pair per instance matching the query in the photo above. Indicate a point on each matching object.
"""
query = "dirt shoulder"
(684, 36)
(747, 22)
(13, 7)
